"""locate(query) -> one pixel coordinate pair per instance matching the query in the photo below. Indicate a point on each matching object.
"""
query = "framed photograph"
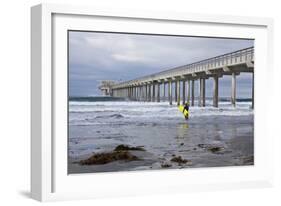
(136, 102)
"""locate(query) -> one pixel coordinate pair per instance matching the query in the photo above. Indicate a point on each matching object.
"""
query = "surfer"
(186, 108)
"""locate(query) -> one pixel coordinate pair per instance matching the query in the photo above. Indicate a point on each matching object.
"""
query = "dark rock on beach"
(104, 158)
(122, 147)
(215, 149)
(212, 148)
(121, 152)
(179, 160)
(166, 165)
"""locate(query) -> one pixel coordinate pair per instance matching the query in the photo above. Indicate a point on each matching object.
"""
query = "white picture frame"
(49, 178)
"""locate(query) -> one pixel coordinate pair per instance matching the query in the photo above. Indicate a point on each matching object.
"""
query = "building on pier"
(106, 87)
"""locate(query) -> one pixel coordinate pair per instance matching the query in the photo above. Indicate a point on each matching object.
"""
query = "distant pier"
(148, 88)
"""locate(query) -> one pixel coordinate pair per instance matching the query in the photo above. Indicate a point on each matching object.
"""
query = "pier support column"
(153, 91)
(192, 92)
(188, 91)
(199, 92)
(164, 90)
(183, 91)
(134, 93)
(233, 89)
(216, 91)
(202, 93)
(141, 93)
(178, 92)
(140, 89)
(145, 93)
(170, 91)
(253, 91)
(149, 92)
(158, 91)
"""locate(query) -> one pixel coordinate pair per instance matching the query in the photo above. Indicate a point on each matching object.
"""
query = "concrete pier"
(144, 88)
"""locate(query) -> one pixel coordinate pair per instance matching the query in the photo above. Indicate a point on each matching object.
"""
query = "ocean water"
(100, 124)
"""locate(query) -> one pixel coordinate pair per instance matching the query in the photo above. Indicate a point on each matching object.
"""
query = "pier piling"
(233, 89)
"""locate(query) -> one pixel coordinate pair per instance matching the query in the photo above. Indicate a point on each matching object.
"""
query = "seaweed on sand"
(215, 149)
(104, 158)
(179, 160)
(123, 147)
(212, 148)
(166, 165)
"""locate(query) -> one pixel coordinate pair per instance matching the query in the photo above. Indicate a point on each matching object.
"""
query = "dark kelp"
(122, 147)
(179, 160)
(104, 158)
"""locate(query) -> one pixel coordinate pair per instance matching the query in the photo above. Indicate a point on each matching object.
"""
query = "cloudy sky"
(94, 57)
